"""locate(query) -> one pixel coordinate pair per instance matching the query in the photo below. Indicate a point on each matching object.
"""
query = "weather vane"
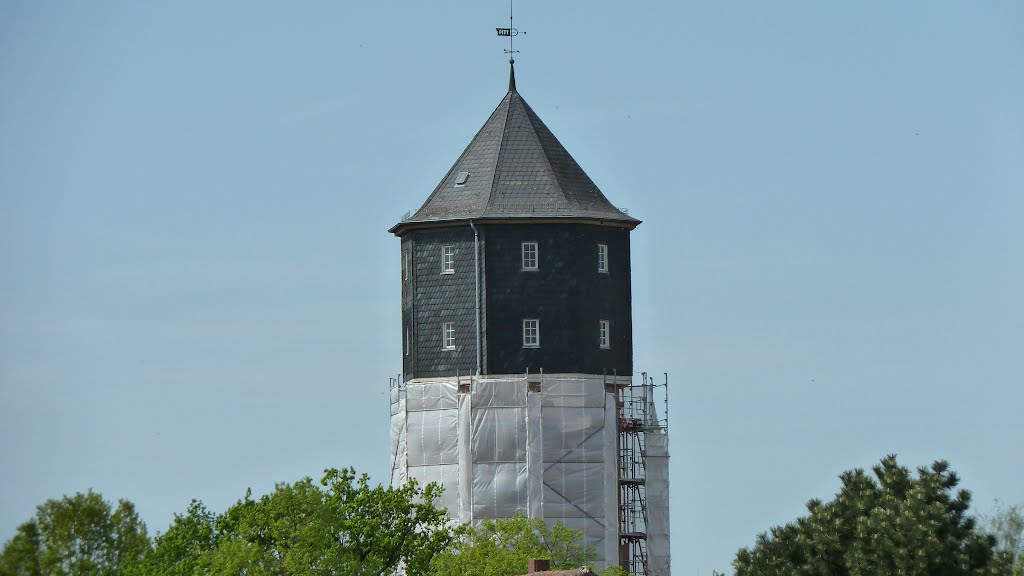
(511, 32)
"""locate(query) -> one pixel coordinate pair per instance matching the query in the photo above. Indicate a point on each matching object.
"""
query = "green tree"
(178, 552)
(81, 535)
(20, 556)
(892, 523)
(340, 526)
(505, 546)
(1007, 525)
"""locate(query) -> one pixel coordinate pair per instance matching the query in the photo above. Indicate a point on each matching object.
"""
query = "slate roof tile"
(517, 169)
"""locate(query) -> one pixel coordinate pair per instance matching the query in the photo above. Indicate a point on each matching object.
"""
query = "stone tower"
(517, 338)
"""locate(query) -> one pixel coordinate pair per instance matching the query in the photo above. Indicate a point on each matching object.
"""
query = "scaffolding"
(642, 436)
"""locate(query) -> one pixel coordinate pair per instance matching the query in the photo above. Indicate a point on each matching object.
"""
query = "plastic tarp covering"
(500, 449)
(611, 496)
(573, 426)
(399, 438)
(656, 466)
(431, 421)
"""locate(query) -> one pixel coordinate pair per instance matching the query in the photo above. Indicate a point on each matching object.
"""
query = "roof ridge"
(569, 191)
(544, 152)
(501, 148)
(439, 189)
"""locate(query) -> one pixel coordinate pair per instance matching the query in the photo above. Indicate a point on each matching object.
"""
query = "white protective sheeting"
(611, 496)
(534, 457)
(575, 435)
(399, 438)
(656, 465)
(500, 449)
(430, 422)
(498, 445)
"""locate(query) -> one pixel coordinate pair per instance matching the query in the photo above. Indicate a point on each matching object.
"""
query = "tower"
(517, 347)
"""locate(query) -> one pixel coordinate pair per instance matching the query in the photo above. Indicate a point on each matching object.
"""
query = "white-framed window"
(448, 335)
(530, 255)
(602, 257)
(531, 333)
(448, 259)
(405, 264)
(408, 341)
(604, 331)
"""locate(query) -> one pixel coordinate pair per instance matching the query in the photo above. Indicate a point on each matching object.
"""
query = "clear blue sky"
(198, 293)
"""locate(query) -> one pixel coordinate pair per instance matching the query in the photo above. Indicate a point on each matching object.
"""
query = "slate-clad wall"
(430, 298)
(567, 294)
(408, 297)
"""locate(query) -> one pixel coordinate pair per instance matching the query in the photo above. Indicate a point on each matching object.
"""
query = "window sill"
(531, 345)
(447, 272)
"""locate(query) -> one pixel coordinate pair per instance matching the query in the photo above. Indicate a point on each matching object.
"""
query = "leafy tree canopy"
(80, 535)
(506, 545)
(1007, 525)
(891, 523)
(340, 526)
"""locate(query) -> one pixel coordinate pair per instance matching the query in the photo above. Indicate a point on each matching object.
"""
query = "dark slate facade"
(431, 297)
(515, 183)
(566, 294)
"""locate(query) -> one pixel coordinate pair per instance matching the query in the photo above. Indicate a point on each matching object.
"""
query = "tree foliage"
(81, 535)
(505, 546)
(891, 523)
(340, 526)
(20, 556)
(1007, 525)
(178, 551)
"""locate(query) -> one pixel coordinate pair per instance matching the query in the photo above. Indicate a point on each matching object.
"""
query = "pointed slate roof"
(515, 168)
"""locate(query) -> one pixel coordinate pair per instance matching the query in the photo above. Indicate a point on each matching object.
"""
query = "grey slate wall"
(430, 298)
(567, 294)
(408, 297)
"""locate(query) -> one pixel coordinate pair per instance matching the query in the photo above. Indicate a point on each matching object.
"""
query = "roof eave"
(629, 223)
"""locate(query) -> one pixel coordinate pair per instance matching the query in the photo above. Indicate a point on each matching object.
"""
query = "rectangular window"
(449, 335)
(448, 260)
(531, 333)
(405, 264)
(602, 257)
(408, 344)
(529, 255)
(603, 333)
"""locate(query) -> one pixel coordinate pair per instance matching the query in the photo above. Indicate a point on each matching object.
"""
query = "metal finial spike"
(510, 32)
